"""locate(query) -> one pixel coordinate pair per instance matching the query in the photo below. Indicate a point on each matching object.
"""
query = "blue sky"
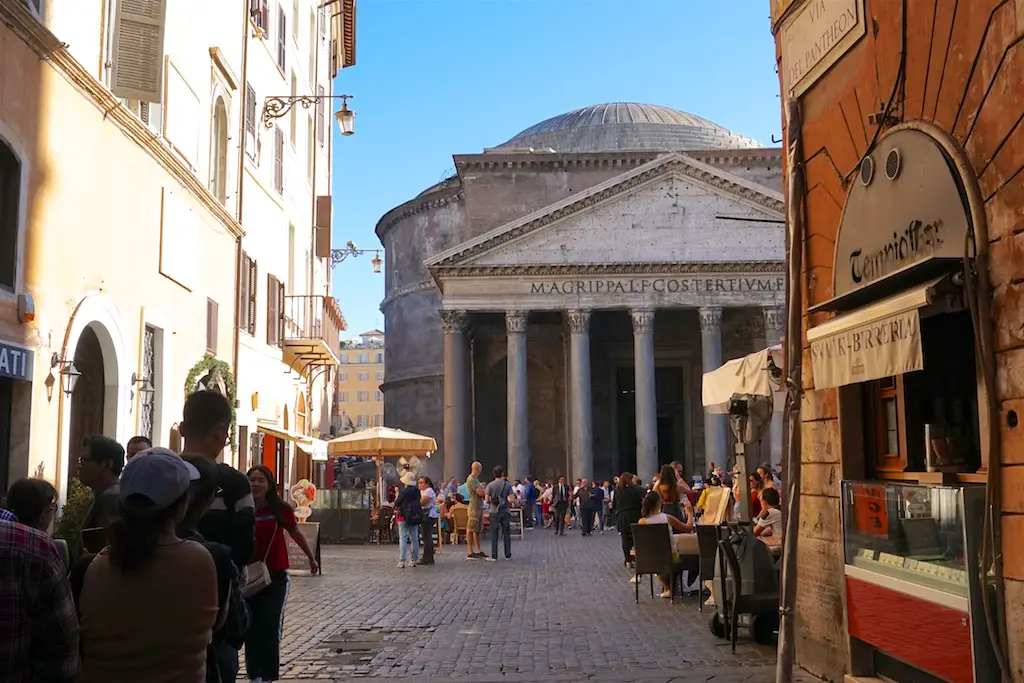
(440, 77)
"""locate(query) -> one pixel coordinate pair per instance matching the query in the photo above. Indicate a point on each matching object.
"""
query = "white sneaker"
(401, 565)
(413, 565)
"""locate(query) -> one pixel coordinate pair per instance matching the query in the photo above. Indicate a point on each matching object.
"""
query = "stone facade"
(959, 64)
(553, 239)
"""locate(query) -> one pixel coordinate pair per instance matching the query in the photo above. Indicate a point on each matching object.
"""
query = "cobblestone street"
(561, 610)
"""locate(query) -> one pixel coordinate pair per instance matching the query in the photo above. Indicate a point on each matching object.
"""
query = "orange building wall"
(964, 74)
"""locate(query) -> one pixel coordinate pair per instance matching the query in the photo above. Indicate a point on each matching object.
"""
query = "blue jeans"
(538, 513)
(409, 533)
(529, 513)
(501, 521)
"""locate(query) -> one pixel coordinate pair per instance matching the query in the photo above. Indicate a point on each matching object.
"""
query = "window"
(364, 358)
(251, 139)
(243, 441)
(343, 377)
(364, 376)
(138, 51)
(260, 14)
(362, 396)
(295, 21)
(282, 38)
(293, 115)
(361, 421)
(247, 296)
(10, 213)
(219, 163)
(380, 357)
(35, 7)
(291, 257)
(380, 376)
(323, 21)
(211, 326)
(378, 420)
(278, 160)
(378, 396)
(275, 311)
(312, 49)
(152, 114)
(342, 397)
(310, 149)
(343, 359)
(320, 114)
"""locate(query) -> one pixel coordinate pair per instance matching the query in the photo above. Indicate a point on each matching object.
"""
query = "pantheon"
(551, 306)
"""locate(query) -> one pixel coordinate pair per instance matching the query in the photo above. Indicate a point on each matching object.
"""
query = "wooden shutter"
(273, 311)
(282, 38)
(265, 15)
(243, 293)
(278, 160)
(211, 325)
(252, 298)
(250, 121)
(323, 226)
(280, 318)
(320, 114)
(139, 50)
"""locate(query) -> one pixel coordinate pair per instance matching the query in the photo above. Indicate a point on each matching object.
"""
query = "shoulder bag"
(257, 574)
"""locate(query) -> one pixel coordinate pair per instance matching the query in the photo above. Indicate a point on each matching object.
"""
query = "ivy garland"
(211, 365)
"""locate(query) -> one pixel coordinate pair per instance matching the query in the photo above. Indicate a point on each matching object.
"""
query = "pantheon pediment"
(673, 210)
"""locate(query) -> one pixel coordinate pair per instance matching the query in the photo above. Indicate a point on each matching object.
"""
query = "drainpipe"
(239, 192)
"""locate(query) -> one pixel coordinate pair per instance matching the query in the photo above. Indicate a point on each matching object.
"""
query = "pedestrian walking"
(148, 572)
(584, 500)
(274, 518)
(629, 500)
(428, 503)
(561, 498)
(409, 511)
(499, 496)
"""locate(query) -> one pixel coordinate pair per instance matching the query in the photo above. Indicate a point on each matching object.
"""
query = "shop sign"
(871, 515)
(16, 361)
(882, 348)
(904, 210)
(815, 37)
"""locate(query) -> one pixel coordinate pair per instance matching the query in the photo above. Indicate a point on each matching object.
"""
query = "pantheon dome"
(621, 126)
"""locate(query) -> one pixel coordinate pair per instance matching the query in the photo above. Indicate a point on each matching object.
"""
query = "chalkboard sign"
(299, 565)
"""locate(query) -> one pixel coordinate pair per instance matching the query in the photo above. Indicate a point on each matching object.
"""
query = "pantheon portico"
(554, 309)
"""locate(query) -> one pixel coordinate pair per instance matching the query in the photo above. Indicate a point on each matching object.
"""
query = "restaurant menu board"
(297, 561)
(869, 509)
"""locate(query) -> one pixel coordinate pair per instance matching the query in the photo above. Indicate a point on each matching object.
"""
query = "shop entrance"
(6, 401)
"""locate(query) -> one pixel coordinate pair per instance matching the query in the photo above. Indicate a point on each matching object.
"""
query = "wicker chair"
(385, 526)
(460, 522)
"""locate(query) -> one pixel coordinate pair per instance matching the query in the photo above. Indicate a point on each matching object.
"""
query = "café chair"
(653, 544)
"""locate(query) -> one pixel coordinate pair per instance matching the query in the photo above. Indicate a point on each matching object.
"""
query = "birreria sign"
(883, 348)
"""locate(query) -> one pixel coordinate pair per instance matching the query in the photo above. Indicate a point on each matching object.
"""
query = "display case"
(911, 568)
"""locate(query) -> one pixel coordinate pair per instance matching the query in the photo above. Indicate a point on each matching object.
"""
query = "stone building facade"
(552, 306)
(874, 77)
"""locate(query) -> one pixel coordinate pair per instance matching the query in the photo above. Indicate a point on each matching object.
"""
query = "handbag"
(257, 574)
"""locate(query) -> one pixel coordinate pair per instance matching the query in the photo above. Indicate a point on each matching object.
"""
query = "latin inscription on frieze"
(660, 285)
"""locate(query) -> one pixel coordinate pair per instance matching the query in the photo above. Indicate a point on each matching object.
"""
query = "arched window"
(219, 163)
(10, 198)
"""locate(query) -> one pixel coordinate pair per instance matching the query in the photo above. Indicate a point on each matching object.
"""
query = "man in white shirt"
(769, 522)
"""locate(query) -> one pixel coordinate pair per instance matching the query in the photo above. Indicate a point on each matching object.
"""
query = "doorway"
(89, 397)
(6, 402)
(670, 407)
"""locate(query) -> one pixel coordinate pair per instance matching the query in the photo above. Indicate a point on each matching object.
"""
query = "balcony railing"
(312, 327)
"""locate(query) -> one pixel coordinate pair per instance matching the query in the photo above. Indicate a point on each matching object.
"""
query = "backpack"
(411, 510)
(495, 500)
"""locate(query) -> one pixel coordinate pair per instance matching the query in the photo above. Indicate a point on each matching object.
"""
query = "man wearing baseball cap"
(147, 570)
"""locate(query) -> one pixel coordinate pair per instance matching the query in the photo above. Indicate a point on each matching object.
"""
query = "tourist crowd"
(179, 563)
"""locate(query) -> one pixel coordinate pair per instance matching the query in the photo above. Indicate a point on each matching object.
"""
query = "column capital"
(454, 322)
(579, 320)
(710, 318)
(774, 318)
(643, 320)
(515, 321)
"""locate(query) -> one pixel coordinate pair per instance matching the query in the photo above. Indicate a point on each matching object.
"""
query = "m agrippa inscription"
(816, 36)
(660, 285)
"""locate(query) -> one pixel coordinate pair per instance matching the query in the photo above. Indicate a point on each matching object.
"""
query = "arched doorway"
(88, 402)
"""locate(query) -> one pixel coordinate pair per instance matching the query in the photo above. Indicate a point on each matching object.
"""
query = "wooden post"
(794, 358)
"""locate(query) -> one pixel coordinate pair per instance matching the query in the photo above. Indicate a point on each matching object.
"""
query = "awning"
(879, 340)
(317, 448)
(747, 376)
(273, 430)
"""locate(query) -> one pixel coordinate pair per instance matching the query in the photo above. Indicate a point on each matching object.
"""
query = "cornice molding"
(51, 50)
(768, 200)
(444, 272)
(418, 205)
(405, 290)
(499, 160)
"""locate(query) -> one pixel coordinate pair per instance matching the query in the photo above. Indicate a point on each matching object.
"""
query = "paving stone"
(562, 611)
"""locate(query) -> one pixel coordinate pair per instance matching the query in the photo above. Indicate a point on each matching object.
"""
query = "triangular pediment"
(674, 209)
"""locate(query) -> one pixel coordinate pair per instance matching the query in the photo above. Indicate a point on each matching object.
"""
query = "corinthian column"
(716, 427)
(518, 425)
(580, 388)
(457, 414)
(645, 392)
(774, 322)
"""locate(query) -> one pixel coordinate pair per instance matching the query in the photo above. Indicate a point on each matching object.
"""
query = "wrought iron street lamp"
(277, 106)
(339, 255)
(69, 374)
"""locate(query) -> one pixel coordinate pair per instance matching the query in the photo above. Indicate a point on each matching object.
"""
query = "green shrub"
(75, 509)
